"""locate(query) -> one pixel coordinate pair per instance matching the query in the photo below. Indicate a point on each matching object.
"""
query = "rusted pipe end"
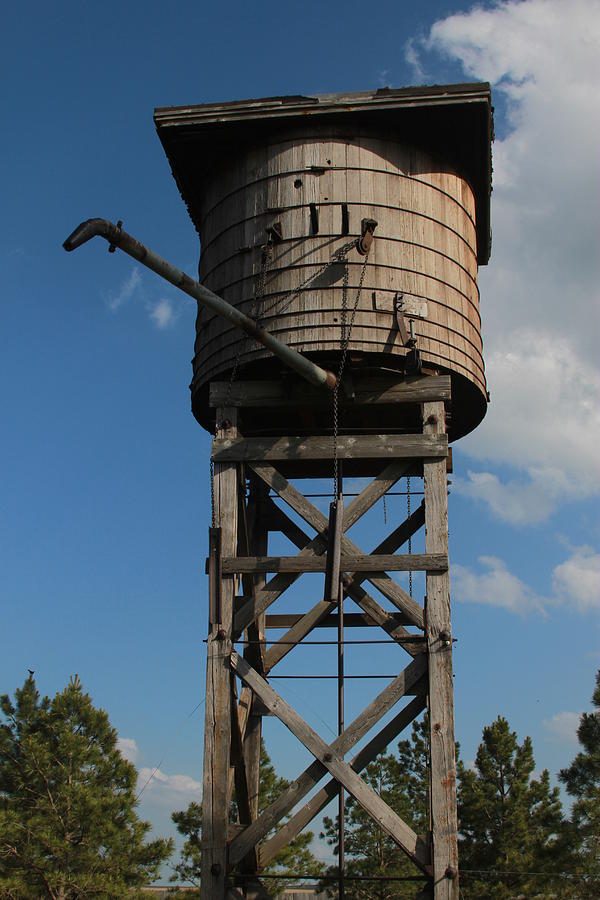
(89, 229)
(330, 379)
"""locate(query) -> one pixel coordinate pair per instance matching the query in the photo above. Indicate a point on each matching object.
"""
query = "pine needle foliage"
(512, 838)
(68, 825)
(295, 857)
(582, 781)
(401, 780)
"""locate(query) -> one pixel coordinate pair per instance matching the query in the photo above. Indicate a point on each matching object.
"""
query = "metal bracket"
(367, 231)
(399, 316)
(275, 232)
(112, 246)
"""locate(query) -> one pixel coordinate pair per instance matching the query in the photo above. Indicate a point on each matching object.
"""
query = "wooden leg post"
(217, 730)
(439, 643)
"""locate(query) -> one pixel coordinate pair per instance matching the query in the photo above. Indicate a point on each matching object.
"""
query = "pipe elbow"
(89, 229)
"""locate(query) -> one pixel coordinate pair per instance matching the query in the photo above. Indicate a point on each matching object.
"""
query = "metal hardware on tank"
(116, 237)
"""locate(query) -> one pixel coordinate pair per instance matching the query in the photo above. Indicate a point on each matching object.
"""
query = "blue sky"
(105, 472)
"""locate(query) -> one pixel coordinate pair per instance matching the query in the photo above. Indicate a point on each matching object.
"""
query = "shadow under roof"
(453, 122)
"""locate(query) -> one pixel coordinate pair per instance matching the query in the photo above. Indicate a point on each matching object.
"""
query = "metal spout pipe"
(116, 237)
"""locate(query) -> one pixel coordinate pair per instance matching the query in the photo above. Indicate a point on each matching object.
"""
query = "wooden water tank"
(307, 172)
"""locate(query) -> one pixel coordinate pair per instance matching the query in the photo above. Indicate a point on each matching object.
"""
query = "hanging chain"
(344, 349)
(259, 292)
(283, 302)
(409, 537)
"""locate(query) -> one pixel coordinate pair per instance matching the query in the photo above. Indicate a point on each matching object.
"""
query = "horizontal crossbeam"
(351, 620)
(349, 446)
(388, 562)
(367, 390)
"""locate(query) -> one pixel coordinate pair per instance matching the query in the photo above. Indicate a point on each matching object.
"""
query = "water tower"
(344, 233)
(351, 228)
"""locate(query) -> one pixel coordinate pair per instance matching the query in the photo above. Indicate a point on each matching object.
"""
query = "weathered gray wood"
(373, 492)
(334, 545)
(257, 540)
(299, 630)
(275, 393)
(319, 801)
(389, 588)
(415, 847)
(389, 562)
(277, 520)
(303, 625)
(299, 788)
(441, 708)
(351, 620)
(356, 446)
(217, 729)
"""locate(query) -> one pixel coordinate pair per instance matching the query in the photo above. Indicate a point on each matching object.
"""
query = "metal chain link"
(259, 291)
(344, 348)
(284, 302)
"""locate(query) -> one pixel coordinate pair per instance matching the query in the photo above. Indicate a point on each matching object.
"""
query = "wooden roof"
(454, 122)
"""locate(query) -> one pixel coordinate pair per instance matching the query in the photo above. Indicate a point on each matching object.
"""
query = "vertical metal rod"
(341, 823)
(340, 590)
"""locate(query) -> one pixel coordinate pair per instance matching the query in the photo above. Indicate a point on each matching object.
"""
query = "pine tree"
(296, 857)
(402, 781)
(582, 781)
(68, 826)
(510, 824)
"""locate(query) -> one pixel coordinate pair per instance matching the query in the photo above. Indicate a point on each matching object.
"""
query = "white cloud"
(169, 789)
(576, 581)
(163, 314)
(126, 291)
(563, 726)
(128, 748)
(540, 293)
(495, 586)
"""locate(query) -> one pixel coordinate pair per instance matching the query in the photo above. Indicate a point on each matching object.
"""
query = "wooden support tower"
(244, 603)
(349, 227)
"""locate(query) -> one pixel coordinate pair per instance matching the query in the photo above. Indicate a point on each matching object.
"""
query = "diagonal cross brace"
(309, 548)
(388, 587)
(353, 589)
(330, 758)
(319, 801)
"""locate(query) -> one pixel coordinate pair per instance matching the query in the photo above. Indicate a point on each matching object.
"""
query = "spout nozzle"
(89, 229)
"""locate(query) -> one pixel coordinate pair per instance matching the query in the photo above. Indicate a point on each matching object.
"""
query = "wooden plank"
(366, 390)
(300, 626)
(258, 542)
(319, 801)
(389, 588)
(414, 846)
(388, 562)
(277, 520)
(350, 446)
(441, 707)
(373, 492)
(351, 620)
(217, 727)
(281, 582)
(302, 785)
